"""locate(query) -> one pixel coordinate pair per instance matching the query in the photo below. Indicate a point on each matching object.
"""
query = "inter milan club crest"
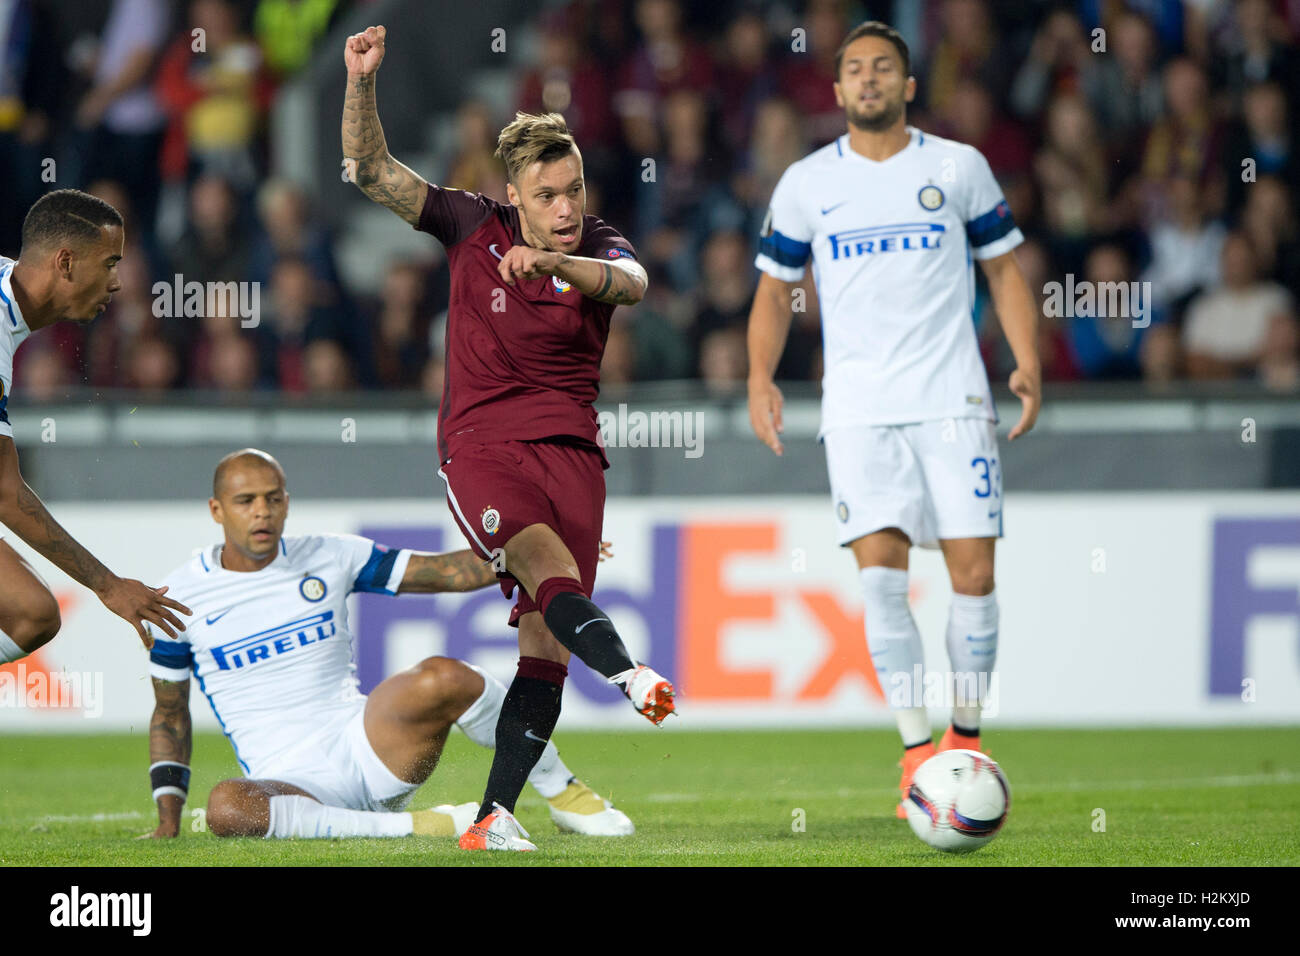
(491, 520)
(930, 197)
(560, 284)
(313, 588)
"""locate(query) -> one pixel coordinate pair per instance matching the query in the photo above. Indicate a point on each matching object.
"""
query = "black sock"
(589, 635)
(528, 716)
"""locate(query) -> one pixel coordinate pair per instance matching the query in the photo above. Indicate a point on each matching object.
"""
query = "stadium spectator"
(618, 364)
(1252, 51)
(216, 245)
(288, 30)
(1058, 59)
(46, 375)
(726, 286)
(288, 228)
(1185, 249)
(807, 73)
(1123, 88)
(565, 81)
(400, 326)
(1269, 221)
(129, 317)
(724, 363)
(474, 168)
(120, 118)
(1246, 327)
(151, 365)
(667, 60)
(1071, 173)
(968, 49)
(1104, 338)
(32, 78)
(326, 368)
(297, 315)
(233, 363)
(1264, 137)
(778, 140)
(686, 200)
(971, 118)
(1185, 140)
(215, 97)
(748, 80)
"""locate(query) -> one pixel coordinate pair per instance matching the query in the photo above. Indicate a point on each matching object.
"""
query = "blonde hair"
(533, 137)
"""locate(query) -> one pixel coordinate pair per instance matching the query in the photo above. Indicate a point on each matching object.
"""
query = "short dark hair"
(67, 215)
(875, 28)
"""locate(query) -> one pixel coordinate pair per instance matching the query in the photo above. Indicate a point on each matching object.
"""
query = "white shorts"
(337, 765)
(932, 480)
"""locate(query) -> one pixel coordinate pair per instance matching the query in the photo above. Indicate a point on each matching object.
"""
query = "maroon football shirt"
(523, 361)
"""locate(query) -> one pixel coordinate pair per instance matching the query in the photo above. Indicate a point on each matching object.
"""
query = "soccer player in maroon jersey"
(533, 285)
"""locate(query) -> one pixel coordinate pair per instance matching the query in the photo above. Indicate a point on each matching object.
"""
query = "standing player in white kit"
(892, 218)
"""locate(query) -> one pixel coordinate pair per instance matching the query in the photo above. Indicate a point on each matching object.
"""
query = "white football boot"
(579, 809)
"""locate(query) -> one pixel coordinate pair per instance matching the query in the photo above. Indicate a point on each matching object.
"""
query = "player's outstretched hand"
(363, 52)
(525, 262)
(1028, 387)
(136, 602)
(765, 404)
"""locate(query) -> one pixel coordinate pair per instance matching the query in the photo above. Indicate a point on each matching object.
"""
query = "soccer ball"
(958, 801)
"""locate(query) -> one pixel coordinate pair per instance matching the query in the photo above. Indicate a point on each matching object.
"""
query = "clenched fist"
(363, 52)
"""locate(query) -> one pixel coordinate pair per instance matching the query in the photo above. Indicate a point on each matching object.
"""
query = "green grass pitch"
(1192, 797)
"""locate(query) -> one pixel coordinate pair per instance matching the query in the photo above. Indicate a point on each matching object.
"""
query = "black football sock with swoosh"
(582, 627)
(528, 716)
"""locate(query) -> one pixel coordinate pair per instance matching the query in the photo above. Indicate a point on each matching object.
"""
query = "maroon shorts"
(495, 491)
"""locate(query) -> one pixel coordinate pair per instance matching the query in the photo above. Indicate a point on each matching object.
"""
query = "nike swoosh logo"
(493, 249)
(592, 621)
(833, 208)
(532, 736)
(214, 618)
(994, 514)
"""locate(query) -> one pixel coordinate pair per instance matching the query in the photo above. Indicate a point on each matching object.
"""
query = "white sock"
(972, 650)
(9, 651)
(479, 722)
(896, 650)
(303, 818)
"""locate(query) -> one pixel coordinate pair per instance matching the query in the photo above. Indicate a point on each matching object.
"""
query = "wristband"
(169, 777)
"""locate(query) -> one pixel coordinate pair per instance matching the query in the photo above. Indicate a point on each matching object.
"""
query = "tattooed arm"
(365, 151)
(429, 573)
(622, 282)
(26, 515)
(170, 739)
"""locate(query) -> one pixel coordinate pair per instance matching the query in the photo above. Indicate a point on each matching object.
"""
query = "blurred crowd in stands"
(1147, 141)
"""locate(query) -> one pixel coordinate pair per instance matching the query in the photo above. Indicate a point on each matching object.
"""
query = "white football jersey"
(271, 649)
(12, 332)
(892, 244)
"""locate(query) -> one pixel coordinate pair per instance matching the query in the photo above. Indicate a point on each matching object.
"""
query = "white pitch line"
(88, 818)
(1071, 786)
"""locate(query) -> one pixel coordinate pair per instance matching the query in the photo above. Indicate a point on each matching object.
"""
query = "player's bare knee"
(227, 813)
(976, 580)
(38, 625)
(441, 681)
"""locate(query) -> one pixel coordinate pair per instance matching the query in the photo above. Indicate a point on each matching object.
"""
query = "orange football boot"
(912, 759)
(955, 741)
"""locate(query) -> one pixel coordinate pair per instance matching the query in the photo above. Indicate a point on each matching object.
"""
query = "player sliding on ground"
(892, 217)
(270, 646)
(66, 269)
(533, 285)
